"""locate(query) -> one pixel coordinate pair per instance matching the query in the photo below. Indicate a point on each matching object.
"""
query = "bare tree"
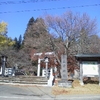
(94, 45)
(73, 31)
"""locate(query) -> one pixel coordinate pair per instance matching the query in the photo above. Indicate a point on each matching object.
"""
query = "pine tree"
(18, 43)
(31, 22)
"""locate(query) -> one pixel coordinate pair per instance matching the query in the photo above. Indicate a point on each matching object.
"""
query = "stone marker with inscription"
(64, 74)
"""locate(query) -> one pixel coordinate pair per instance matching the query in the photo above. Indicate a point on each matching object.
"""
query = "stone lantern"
(46, 60)
(4, 60)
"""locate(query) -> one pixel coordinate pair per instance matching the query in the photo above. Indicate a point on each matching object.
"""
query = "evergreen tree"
(18, 43)
(31, 22)
(36, 35)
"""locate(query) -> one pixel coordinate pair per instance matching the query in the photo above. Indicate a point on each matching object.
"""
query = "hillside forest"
(69, 34)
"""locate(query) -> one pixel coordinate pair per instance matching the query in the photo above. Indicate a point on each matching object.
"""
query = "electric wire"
(23, 1)
(45, 9)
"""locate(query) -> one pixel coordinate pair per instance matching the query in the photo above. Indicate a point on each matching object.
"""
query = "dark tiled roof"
(87, 55)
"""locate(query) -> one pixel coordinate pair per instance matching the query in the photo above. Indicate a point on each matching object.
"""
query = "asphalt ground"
(34, 92)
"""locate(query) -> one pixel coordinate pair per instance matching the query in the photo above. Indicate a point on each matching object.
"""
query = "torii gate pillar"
(38, 71)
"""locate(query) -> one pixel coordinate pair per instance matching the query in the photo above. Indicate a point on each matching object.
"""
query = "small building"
(89, 66)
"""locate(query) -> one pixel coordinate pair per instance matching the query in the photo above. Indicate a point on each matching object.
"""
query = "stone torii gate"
(43, 59)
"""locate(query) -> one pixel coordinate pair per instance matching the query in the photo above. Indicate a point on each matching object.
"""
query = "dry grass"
(76, 89)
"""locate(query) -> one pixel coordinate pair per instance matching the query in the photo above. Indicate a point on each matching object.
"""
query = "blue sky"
(17, 13)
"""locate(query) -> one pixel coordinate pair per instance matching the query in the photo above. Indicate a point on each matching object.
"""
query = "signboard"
(8, 71)
(90, 69)
(63, 67)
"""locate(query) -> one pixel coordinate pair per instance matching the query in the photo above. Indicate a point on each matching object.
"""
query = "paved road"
(13, 92)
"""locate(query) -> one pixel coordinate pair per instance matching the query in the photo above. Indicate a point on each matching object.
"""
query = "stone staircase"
(25, 80)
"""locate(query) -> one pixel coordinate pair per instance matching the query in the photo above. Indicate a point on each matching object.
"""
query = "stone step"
(23, 77)
(24, 80)
(31, 80)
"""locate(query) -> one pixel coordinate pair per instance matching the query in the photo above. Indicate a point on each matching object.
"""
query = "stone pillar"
(64, 73)
(81, 73)
(51, 78)
(3, 66)
(99, 71)
(38, 71)
(1, 71)
(46, 62)
(46, 69)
